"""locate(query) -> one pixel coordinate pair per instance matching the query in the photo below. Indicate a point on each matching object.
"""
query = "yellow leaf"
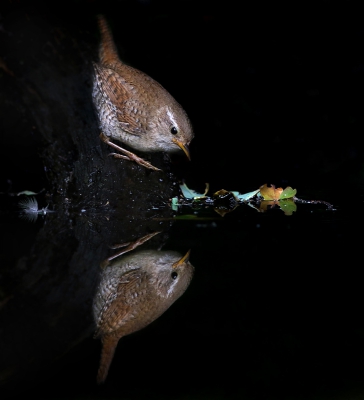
(270, 193)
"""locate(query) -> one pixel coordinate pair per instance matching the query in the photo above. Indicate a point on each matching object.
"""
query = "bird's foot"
(128, 155)
(138, 160)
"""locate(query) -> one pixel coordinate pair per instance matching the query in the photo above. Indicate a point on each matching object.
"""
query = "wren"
(135, 290)
(134, 109)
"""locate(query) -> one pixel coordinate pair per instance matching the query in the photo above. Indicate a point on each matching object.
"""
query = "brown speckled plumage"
(134, 109)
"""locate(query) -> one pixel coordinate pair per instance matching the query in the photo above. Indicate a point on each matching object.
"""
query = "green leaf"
(174, 203)
(287, 193)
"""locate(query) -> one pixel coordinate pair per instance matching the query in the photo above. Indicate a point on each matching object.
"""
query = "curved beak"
(183, 147)
(182, 260)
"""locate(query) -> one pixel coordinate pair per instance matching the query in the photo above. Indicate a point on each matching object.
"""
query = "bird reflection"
(135, 290)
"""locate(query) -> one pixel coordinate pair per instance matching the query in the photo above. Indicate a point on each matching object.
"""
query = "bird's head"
(172, 129)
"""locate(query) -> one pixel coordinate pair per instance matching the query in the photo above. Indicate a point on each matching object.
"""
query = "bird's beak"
(182, 260)
(183, 147)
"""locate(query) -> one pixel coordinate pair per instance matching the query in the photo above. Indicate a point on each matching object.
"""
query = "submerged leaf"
(266, 205)
(222, 211)
(288, 206)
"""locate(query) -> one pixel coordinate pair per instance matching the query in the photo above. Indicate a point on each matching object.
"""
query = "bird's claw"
(137, 159)
(128, 155)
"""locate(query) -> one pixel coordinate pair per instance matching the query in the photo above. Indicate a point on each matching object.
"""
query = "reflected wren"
(134, 109)
(133, 292)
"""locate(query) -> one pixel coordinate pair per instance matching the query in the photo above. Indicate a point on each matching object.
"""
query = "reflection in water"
(134, 291)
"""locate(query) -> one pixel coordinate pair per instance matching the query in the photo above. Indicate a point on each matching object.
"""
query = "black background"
(274, 91)
(275, 94)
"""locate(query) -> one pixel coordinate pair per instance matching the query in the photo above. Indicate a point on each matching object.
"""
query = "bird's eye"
(174, 130)
(174, 275)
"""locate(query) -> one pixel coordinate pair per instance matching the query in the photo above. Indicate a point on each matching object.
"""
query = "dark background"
(275, 95)
(274, 91)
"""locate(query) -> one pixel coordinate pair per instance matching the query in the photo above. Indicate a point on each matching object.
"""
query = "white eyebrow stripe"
(170, 290)
(170, 115)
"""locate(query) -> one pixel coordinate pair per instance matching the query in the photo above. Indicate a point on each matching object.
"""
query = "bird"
(134, 109)
(134, 291)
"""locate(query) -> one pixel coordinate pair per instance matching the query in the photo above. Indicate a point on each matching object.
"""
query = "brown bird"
(133, 292)
(134, 109)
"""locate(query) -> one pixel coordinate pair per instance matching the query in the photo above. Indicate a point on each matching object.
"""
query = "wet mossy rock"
(46, 83)
(50, 138)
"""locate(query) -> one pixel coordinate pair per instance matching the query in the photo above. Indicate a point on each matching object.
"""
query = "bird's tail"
(109, 344)
(108, 53)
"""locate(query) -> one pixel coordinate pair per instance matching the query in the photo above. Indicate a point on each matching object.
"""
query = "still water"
(273, 309)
